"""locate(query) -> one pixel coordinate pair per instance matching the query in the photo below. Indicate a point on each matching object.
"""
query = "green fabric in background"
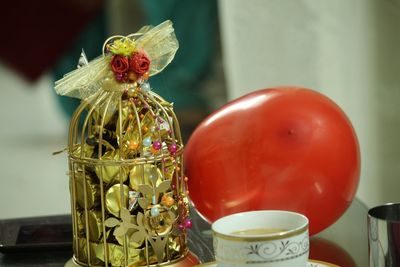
(195, 24)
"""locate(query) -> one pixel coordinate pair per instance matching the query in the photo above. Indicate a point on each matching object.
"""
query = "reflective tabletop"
(345, 243)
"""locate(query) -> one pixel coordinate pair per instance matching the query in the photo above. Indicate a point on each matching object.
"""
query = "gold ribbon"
(159, 43)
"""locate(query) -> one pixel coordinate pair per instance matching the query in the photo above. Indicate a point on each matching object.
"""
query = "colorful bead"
(186, 179)
(172, 148)
(188, 223)
(167, 200)
(154, 211)
(157, 145)
(133, 145)
(121, 77)
(147, 141)
(132, 76)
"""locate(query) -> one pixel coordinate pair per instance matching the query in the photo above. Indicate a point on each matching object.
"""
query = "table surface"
(345, 243)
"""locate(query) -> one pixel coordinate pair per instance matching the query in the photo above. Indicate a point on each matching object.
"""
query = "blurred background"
(348, 50)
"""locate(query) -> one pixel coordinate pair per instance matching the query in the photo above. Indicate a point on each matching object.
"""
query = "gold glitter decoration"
(84, 182)
(112, 173)
(144, 174)
(161, 224)
(114, 202)
(80, 224)
(83, 253)
(94, 230)
(116, 254)
(88, 151)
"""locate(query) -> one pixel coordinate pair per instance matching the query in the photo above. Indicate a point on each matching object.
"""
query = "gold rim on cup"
(275, 236)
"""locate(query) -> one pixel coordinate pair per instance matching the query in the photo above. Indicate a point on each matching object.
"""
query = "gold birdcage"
(128, 190)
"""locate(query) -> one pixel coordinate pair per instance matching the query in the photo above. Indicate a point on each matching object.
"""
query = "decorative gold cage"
(128, 189)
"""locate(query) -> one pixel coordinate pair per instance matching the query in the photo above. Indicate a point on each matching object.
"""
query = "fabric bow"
(158, 43)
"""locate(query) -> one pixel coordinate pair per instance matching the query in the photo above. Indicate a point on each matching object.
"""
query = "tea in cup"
(269, 238)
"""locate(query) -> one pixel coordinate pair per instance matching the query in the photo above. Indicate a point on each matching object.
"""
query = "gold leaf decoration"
(145, 189)
(163, 187)
(143, 203)
(111, 222)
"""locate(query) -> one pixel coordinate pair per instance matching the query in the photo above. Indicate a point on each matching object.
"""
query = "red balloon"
(283, 148)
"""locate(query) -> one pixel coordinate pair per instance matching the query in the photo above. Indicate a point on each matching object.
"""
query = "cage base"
(188, 261)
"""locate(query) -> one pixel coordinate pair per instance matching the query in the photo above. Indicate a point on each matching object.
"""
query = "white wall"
(348, 50)
(32, 126)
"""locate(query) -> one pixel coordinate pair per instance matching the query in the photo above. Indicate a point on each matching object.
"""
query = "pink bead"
(187, 223)
(172, 149)
(157, 145)
(120, 76)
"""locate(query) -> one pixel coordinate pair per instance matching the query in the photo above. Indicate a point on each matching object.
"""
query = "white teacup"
(269, 238)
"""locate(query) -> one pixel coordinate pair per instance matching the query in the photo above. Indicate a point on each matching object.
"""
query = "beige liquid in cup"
(261, 231)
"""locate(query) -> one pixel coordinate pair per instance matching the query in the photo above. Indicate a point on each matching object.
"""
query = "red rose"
(119, 64)
(139, 63)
